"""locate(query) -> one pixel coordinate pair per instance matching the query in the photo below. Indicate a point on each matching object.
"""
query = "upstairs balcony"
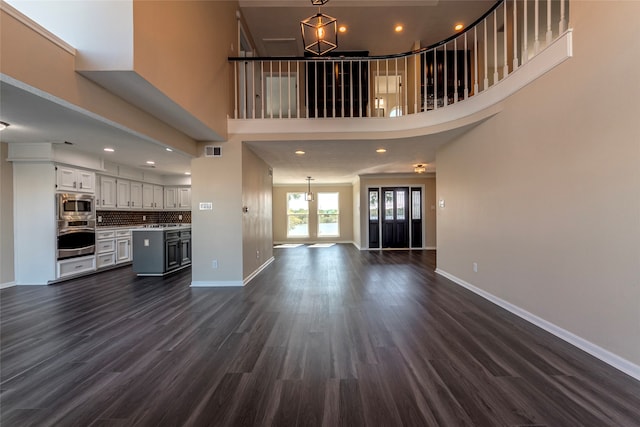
(454, 81)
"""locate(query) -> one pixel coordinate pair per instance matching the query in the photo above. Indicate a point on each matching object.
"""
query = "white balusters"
(505, 71)
(549, 32)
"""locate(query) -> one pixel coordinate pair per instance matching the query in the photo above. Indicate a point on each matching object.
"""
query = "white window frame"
(337, 214)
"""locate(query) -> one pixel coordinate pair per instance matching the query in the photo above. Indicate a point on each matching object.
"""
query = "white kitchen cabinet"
(73, 266)
(123, 246)
(107, 193)
(177, 198)
(135, 191)
(75, 180)
(105, 248)
(113, 247)
(170, 197)
(152, 196)
(123, 194)
(184, 198)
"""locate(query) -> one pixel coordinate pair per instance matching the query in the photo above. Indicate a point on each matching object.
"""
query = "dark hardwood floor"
(323, 337)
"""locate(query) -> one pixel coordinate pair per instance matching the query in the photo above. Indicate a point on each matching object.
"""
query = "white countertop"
(162, 227)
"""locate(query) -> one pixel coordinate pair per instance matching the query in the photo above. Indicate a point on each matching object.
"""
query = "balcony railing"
(431, 78)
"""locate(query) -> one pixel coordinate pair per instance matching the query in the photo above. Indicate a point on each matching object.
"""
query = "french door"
(395, 217)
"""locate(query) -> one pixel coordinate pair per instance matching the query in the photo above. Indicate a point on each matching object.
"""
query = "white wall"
(101, 31)
(257, 232)
(6, 219)
(545, 196)
(217, 234)
(35, 222)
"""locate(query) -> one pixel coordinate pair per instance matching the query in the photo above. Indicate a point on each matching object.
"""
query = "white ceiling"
(37, 119)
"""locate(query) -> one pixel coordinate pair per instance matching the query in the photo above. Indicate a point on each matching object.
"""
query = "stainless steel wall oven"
(76, 225)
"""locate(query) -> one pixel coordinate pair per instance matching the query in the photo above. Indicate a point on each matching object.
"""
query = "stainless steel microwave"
(76, 206)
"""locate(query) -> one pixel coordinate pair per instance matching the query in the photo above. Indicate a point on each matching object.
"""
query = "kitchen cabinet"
(128, 194)
(105, 248)
(75, 266)
(158, 251)
(177, 198)
(135, 193)
(113, 247)
(185, 247)
(74, 180)
(123, 246)
(107, 193)
(152, 196)
(123, 194)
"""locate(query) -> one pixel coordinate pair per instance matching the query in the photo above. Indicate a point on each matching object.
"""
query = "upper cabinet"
(124, 194)
(75, 180)
(177, 198)
(107, 193)
(152, 196)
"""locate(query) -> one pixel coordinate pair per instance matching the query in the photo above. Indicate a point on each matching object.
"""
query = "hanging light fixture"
(309, 195)
(319, 32)
(419, 168)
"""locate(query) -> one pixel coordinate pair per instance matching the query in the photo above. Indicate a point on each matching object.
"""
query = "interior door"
(395, 217)
(416, 217)
(374, 218)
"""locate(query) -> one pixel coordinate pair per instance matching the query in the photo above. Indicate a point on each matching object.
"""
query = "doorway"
(395, 217)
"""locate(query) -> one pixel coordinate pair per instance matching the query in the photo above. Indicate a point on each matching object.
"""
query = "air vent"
(212, 151)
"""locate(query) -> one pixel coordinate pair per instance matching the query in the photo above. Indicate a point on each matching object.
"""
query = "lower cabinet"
(158, 252)
(113, 247)
(73, 266)
(123, 246)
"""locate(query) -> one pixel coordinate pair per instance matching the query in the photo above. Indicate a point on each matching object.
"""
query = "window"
(328, 215)
(297, 215)
(281, 95)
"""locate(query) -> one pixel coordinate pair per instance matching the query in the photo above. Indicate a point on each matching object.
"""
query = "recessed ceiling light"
(168, 149)
(151, 162)
(458, 27)
(342, 28)
(399, 28)
(300, 152)
(381, 150)
(187, 173)
(109, 150)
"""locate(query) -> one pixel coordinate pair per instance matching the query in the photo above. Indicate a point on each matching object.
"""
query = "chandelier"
(319, 32)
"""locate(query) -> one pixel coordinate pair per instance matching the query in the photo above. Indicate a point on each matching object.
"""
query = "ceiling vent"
(212, 151)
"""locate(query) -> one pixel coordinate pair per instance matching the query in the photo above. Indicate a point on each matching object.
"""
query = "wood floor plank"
(322, 337)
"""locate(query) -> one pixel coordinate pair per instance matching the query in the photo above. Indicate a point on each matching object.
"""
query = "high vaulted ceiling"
(370, 26)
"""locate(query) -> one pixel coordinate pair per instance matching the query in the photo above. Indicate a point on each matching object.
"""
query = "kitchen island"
(161, 249)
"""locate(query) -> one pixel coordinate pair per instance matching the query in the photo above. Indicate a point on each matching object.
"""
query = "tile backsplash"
(124, 218)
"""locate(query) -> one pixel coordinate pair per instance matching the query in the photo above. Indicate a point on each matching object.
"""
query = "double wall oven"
(76, 225)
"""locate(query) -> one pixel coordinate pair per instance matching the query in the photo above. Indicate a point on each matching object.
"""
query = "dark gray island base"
(161, 250)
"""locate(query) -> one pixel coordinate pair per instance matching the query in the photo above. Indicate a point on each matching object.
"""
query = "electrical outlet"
(475, 267)
(257, 254)
(144, 217)
(214, 263)
(179, 217)
(99, 218)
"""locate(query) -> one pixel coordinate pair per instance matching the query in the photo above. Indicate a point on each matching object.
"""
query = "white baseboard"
(606, 356)
(431, 248)
(255, 273)
(7, 285)
(231, 283)
(217, 284)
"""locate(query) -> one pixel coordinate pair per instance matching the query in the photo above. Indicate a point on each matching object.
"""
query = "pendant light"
(319, 32)
(309, 195)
